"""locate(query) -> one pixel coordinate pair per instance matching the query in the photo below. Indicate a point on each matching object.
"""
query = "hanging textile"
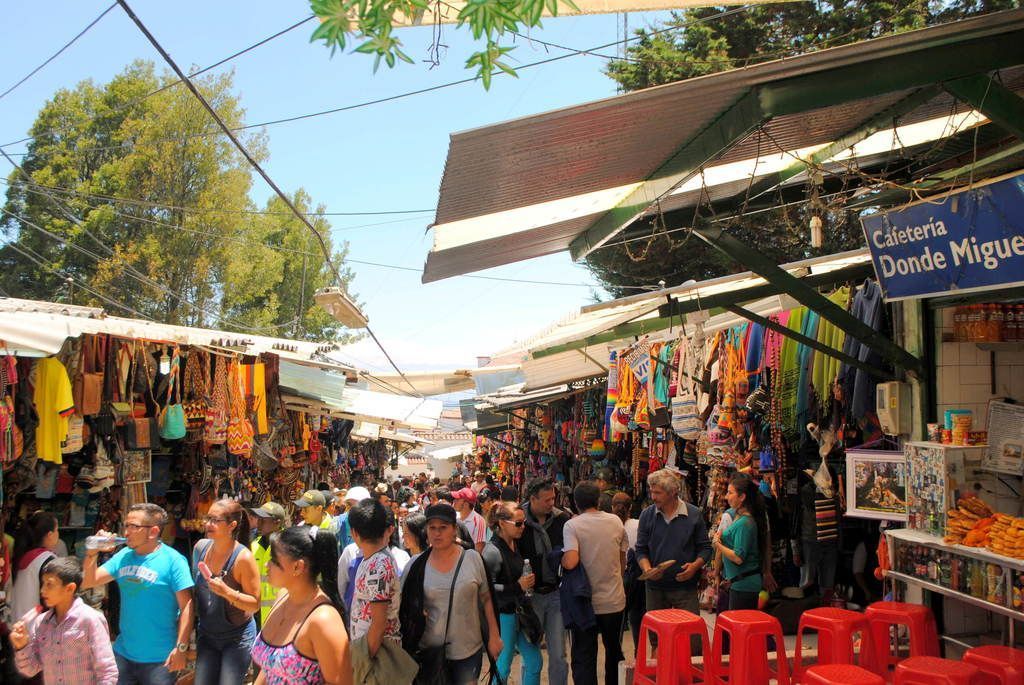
(826, 367)
(789, 371)
(254, 379)
(859, 386)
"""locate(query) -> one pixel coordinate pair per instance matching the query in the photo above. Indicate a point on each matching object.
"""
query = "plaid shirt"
(76, 650)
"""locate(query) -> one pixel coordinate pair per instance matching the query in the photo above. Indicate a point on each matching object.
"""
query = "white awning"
(42, 328)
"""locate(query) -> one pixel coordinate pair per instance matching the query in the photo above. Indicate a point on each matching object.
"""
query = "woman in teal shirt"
(744, 543)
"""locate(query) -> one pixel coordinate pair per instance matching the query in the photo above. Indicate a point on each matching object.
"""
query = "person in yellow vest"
(272, 518)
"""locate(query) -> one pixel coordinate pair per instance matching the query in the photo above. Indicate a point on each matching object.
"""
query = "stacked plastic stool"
(748, 633)
(836, 629)
(674, 665)
(931, 670)
(997, 665)
(919, 622)
(840, 674)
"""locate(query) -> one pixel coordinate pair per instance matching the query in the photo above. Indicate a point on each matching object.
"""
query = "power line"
(441, 86)
(281, 248)
(256, 166)
(171, 84)
(208, 210)
(57, 54)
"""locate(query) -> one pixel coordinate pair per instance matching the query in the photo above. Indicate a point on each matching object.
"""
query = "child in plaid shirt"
(69, 642)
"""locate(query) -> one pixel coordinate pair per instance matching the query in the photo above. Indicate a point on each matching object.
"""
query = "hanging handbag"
(217, 412)
(74, 442)
(196, 390)
(172, 417)
(87, 388)
(240, 430)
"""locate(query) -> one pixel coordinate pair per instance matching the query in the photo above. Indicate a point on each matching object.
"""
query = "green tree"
(695, 43)
(373, 22)
(129, 194)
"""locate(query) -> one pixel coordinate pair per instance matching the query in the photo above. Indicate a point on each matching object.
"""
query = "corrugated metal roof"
(611, 143)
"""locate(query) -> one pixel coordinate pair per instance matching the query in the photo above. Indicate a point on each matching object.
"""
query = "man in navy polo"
(671, 529)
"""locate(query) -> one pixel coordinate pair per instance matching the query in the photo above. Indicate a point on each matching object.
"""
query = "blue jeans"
(466, 671)
(224, 661)
(513, 639)
(135, 673)
(549, 609)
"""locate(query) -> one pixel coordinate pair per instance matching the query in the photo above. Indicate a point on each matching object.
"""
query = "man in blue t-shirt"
(156, 599)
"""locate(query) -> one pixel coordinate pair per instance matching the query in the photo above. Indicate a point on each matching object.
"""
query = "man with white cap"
(271, 518)
(352, 497)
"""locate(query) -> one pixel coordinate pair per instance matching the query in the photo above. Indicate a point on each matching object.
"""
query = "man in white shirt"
(464, 500)
(597, 540)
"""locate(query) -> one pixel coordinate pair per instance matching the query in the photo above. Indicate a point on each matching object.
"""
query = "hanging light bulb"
(817, 232)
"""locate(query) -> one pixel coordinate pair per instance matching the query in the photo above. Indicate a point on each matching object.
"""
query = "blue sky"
(382, 157)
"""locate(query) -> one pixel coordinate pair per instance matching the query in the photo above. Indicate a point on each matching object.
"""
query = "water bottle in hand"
(104, 543)
(528, 571)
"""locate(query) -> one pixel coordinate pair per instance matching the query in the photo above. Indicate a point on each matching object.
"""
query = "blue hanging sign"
(966, 241)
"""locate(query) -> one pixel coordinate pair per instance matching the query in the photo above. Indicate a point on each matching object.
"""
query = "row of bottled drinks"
(989, 323)
(975, 577)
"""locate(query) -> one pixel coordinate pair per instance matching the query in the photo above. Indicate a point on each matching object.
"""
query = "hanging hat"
(597, 448)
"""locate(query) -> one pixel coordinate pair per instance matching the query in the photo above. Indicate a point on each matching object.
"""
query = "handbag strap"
(451, 596)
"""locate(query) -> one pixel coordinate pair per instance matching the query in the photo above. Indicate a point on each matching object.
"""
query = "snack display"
(1006, 536)
(970, 523)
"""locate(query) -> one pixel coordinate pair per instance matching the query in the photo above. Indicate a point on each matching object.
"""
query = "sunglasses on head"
(517, 524)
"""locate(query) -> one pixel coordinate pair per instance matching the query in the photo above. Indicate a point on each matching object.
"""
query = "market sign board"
(966, 241)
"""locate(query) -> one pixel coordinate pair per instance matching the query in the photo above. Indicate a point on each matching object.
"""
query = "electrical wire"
(171, 84)
(430, 89)
(207, 210)
(289, 250)
(328, 258)
(57, 54)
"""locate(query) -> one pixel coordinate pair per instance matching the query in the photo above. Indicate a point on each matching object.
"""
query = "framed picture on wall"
(876, 484)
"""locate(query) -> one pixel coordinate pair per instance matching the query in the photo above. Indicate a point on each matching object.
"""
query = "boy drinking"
(376, 596)
(70, 641)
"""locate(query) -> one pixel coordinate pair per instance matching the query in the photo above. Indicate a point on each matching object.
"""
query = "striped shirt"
(76, 650)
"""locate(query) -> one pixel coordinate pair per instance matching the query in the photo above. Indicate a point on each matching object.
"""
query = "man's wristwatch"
(182, 647)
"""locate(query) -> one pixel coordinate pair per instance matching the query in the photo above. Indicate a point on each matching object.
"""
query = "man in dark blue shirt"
(671, 529)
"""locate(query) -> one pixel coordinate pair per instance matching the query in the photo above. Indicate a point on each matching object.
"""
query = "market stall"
(99, 412)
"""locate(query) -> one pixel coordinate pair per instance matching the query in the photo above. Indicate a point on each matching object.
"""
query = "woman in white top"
(34, 545)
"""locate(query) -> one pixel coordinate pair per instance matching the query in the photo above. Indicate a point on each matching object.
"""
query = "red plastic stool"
(748, 635)
(931, 670)
(840, 674)
(997, 665)
(674, 663)
(920, 623)
(836, 629)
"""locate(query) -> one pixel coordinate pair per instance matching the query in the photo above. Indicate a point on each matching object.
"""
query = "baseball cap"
(311, 498)
(441, 512)
(271, 510)
(357, 494)
(465, 493)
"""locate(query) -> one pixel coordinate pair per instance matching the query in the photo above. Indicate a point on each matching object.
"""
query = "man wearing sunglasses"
(156, 599)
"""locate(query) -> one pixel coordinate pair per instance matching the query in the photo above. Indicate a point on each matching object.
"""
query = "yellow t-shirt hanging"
(54, 404)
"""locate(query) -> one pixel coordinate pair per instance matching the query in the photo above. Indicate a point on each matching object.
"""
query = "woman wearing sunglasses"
(227, 590)
(304, 641)
(505, 567)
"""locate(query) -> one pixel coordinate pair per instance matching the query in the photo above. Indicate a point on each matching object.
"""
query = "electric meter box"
(892, 405)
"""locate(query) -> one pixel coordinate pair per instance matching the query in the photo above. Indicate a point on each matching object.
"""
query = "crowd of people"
(390, 584)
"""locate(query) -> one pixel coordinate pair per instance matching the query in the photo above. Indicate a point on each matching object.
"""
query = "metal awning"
(514, 397)
(435, 382)
(574, 178)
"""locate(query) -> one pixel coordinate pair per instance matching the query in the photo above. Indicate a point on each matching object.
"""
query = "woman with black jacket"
(505, 567)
